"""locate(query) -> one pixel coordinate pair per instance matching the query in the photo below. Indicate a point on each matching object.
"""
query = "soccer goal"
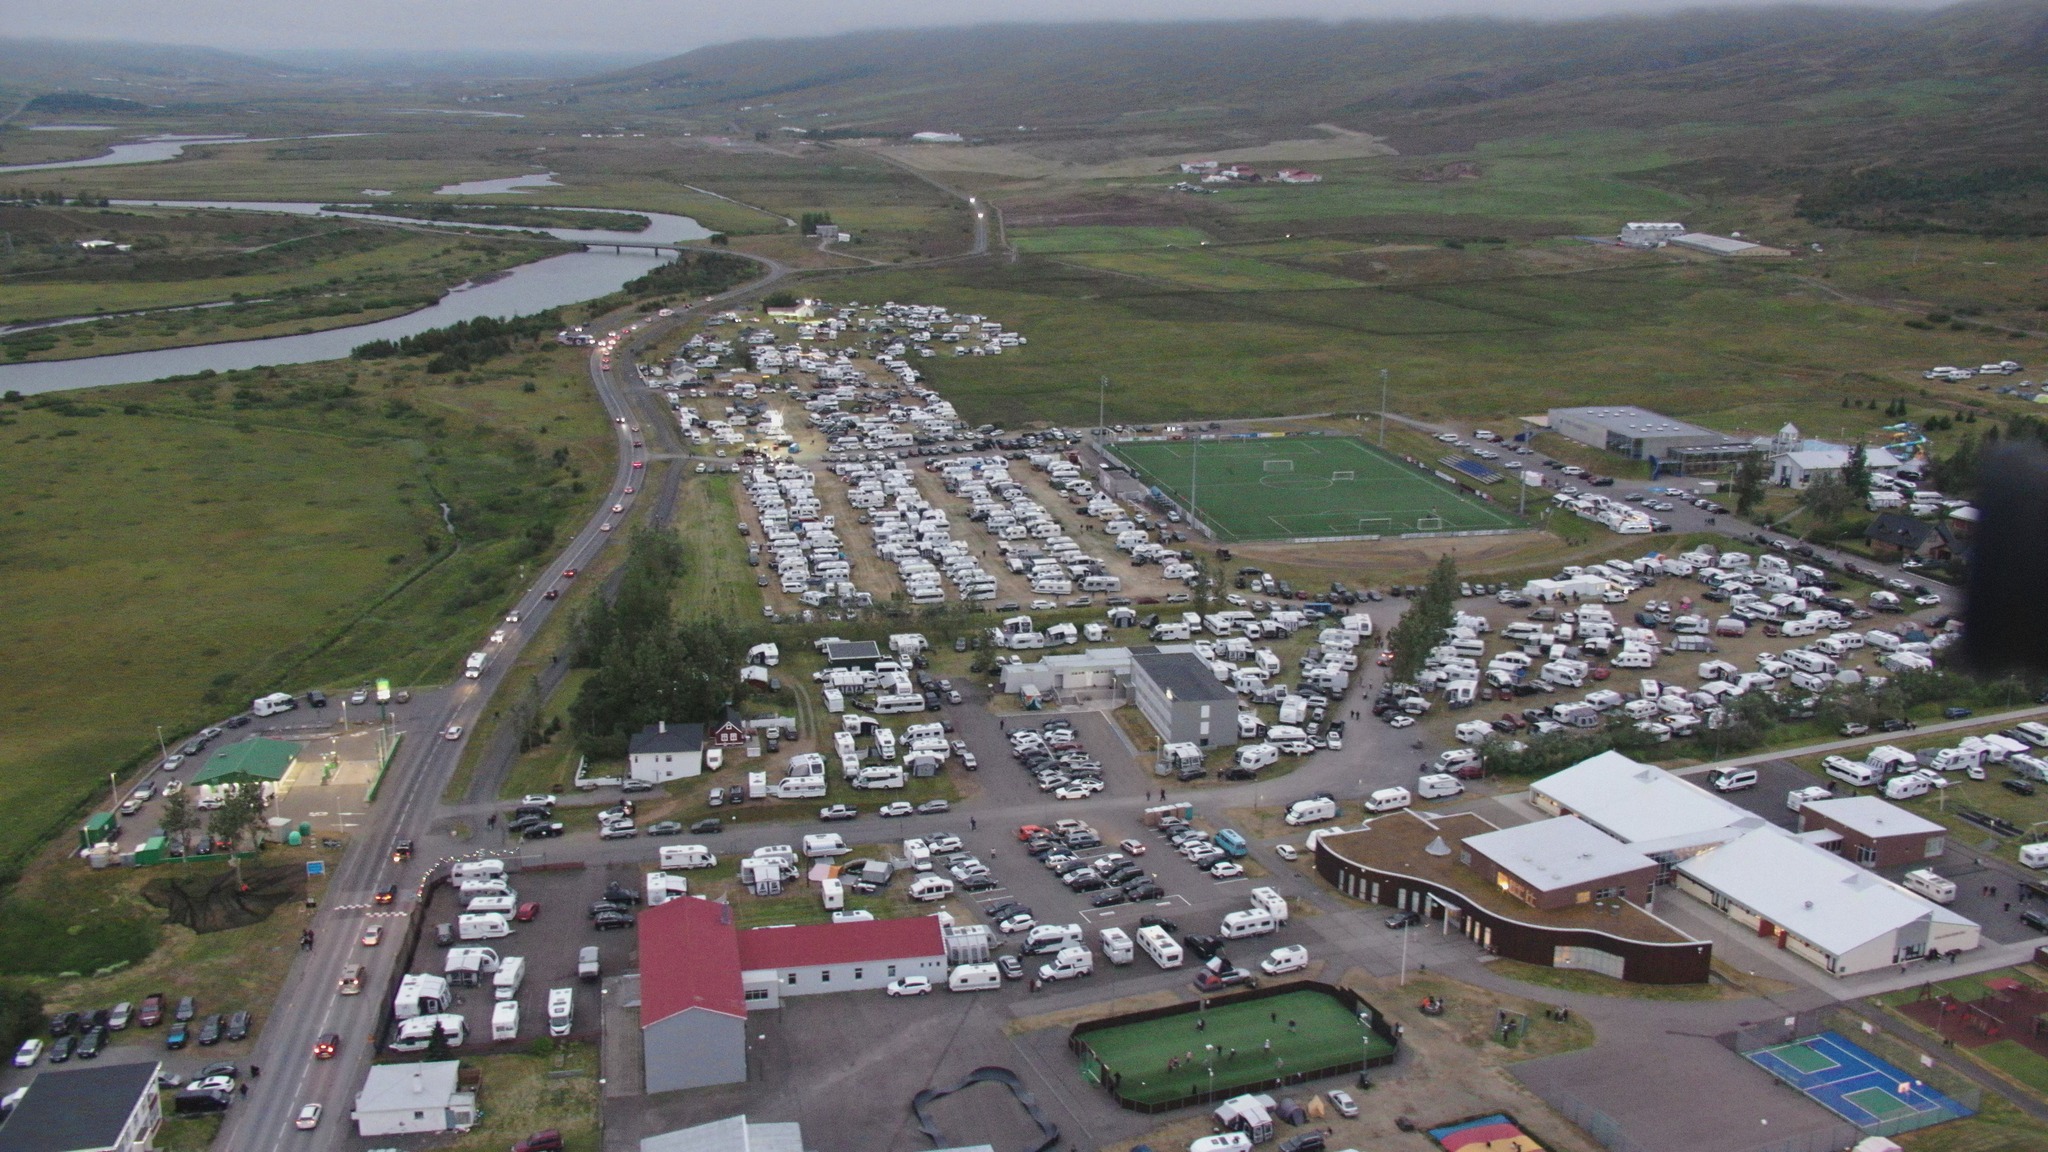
(1429, 523)
(1343, 474)
(1279, 465)
(1375, 525)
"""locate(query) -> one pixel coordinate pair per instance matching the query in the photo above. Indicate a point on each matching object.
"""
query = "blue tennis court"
(1856, 1085)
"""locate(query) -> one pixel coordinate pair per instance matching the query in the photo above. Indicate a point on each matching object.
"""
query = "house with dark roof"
(1905, 536)
(96, 1108)
(1182, 698)
(665, 751)
(693, 1021)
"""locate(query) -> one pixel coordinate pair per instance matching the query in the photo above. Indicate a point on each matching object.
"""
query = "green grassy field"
(1305, 487)
(173, 550)
(1325, 1033)
(1101, 238)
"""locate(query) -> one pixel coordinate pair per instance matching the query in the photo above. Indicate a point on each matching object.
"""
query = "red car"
(1029, 830)
(639, 463)
(527, 911)
(327, 1046)
(568, 573)
(152, 1013)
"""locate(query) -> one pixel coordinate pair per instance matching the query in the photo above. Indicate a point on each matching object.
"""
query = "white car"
(898, 808)
(1286, 852)
(1291, 958)
(309, 1118)
(173, 787)
(31, 1050)
(537, 798)
(1073, 791)
(1017, 923)
(910, 986)
(1226, 870)
(1134, 847)
(1401, 722)
(454, 732)
(1342, 1102)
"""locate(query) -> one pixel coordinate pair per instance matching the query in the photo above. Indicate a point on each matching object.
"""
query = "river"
(529, 288)
(156, 149)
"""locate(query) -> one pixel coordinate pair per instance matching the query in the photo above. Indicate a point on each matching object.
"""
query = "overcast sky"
(665, 27)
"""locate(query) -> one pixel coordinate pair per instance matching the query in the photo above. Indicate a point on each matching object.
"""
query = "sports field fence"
(1920, 1068)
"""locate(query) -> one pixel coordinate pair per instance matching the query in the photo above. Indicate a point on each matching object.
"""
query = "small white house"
(398, 1099)
(665, 751)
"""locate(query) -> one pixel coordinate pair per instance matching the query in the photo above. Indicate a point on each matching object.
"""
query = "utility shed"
(98, 1108)
(398, 1099)
(254, 761)
(853, 654)
(1182, 698)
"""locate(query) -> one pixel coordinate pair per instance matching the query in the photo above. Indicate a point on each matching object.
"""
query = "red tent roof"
(805, 945)
(1484, 1135)
(689, 958)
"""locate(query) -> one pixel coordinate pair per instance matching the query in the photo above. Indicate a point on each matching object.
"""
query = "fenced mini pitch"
(1156, 1060)
(1305, 487)
(1857, 1086)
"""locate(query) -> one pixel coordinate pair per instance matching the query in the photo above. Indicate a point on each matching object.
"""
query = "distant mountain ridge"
(1452, 78)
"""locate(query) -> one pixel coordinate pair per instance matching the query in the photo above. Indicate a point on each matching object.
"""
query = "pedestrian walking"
(971, 825)
(1202, 1022)
(1273, 1016)
(1269, 1043)
(1291, 1026)
(244, 1088)
(255, 1071)
(2008, 905)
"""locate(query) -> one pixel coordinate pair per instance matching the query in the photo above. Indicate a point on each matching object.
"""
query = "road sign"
(316, 867)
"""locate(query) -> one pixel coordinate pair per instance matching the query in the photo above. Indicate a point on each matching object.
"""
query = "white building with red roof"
(700, 975)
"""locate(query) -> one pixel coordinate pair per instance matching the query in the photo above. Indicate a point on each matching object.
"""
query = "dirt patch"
(218, 901)
(1067, 1018)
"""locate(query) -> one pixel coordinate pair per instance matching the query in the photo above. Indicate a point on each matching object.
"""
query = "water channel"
(535, 287)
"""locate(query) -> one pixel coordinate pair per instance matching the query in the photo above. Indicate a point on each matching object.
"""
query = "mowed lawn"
(1324, 1033)
(1305, 487)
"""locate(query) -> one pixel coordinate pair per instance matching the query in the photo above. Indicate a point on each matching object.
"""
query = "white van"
(477, 870)
(482, 926)
(505, 1020)
(1438, 785)
(1248, 922)
(1932, 885)
(930, 887)
(1311, 811)
(820, 844)
(1223, 1142)
(974, 978)
(561, 1011)
(1051, 938)
(471, 889)
(505, 904)
(1847, 770)
(1388, 800)
(1733, 779)
(2034, 855)
(687, 856)
(1634, 658)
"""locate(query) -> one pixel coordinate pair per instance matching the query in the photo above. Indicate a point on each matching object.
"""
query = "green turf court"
(1806, 1060)
(1306, 486)
(1325, 1034)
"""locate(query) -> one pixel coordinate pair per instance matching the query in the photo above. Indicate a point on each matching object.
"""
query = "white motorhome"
(974, 978)
(482, 926)
(687, 856)
(416, 1034)
(1116, 945)
(1388, 800)
(1311, 811)
(505, 1020)
(1160, 945)
(511, 973)
(272, 704)
(561, 1011)
(1246, 923)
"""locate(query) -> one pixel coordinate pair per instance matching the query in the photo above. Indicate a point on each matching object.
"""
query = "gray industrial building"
(1676, 447)
(1183, 699)
(693, 1014)
(98, 1108)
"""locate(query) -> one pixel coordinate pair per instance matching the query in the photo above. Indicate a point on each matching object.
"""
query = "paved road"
(408, 807)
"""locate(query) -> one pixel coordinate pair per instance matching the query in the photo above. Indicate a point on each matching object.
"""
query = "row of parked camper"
(1903, 775)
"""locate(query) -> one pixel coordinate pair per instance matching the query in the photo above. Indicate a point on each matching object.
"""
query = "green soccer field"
(1301, 486)
(1325, 1034)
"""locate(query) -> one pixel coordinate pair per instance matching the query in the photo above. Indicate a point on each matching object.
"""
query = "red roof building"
(815, 945)
(693, 1015)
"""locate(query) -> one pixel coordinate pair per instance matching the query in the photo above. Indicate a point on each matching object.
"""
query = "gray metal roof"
(1551, 855)
(1630, 420)
(78, 1109)
(666, 737)
(732, 1134)
(405, 1087)
(1184, 675)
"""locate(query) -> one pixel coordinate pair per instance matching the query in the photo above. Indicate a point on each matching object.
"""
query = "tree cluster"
(464, 344)
(649, 666)
(695, 273)
(1422, 626)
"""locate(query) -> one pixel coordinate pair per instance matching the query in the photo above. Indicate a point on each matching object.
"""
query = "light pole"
(162, 752)
(1383, 407)
(1404, 956)
(1101, 402)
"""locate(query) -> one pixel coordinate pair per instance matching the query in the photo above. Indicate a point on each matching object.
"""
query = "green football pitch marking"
(1325, 1033)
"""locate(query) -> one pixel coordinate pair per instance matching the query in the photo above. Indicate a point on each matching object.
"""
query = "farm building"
(398, 1099)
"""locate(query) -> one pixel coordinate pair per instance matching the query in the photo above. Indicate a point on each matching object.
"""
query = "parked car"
(210, 1030)
(186, 1010)
(910, 986)
(31, 1050)
(173, 1039)
(709, 826)
(1403, 919)
(238, 1026)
